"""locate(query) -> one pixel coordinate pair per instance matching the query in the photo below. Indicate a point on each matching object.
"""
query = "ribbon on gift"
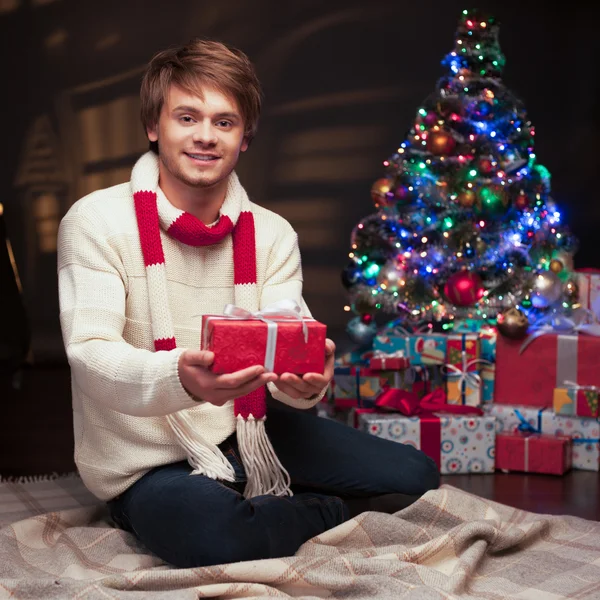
(564, 326)
(579, 409)
(568, 331)
(466, 377)
(384, 356)
(282, 310)
(525, 425)
(410, 405)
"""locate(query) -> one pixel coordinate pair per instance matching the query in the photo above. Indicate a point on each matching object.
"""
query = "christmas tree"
(465, 225)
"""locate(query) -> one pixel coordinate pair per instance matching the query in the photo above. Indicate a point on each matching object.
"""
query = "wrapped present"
(463, 349)
(584, 432)
(357, 357)
(487, 341)
(576, 400)
(533, 453)
(276, 337)
(531, 370)
(487, 372)
(463, 389)
(463, 382)
(419, 348)
(588, 281)
(356, 386)
(486, 333)
(395, 361)
(457, 443)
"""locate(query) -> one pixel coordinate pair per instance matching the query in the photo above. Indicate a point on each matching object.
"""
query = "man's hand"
(311, 383)
(205, 385)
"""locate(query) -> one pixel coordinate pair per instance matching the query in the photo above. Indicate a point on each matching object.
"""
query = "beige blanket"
(449, 544)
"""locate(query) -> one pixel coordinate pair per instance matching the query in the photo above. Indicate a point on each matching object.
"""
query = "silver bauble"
(546, 290)
(361, 333)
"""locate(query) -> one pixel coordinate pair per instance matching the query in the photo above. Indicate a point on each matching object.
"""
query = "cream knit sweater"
(121, 388)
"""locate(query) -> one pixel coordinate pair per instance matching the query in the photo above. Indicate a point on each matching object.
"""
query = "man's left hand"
(310, 384)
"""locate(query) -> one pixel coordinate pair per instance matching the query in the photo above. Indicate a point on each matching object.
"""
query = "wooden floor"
(37, 438)
(577, 493)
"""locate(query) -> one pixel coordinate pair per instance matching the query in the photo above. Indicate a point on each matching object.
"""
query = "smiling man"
(157, 434)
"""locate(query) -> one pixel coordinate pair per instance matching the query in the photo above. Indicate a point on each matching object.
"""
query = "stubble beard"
(178, 173)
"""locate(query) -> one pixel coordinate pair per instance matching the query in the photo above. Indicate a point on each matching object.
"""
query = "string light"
(465, 193)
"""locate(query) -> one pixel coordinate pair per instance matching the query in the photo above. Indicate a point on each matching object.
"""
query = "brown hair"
(199, 63)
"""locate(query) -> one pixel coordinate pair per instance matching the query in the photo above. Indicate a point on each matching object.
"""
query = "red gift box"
(240, 343)
(530, 377)
(389, 363)
(533, 453)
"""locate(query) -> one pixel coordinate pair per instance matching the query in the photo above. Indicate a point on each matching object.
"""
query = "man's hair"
(200, 63)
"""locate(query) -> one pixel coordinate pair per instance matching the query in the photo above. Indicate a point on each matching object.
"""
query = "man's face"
(199, 139)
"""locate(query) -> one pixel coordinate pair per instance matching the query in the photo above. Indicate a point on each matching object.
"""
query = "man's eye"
(186, 119)
(224, 124)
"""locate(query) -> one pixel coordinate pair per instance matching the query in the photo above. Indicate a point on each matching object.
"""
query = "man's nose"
(204, 133)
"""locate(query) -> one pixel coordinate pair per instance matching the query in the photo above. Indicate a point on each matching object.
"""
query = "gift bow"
(560, 324)
(276, 311)
(526, 426)
(410, 405)
(469, 378)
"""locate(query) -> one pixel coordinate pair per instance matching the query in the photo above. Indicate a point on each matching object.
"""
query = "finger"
(295, 382)
(248, 387)
(316, 381)
(229, 381)
(199, 358)
(329, 347)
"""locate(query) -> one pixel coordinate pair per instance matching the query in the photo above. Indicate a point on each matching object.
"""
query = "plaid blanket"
(449, 544)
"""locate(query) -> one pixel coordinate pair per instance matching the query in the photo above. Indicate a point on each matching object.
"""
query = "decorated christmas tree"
(465, 225)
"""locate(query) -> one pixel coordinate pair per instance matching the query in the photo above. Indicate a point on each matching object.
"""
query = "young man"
(185, 458)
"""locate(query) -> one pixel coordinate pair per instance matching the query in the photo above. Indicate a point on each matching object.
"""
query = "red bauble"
(522, 201)
(464, 288)
(440, 143)
(366, 318)
(402, 194)
(485, 166)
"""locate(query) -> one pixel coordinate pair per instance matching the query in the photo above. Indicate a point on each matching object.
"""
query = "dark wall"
(342, 80)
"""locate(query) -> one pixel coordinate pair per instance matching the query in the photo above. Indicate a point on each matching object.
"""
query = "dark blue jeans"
(191, 521)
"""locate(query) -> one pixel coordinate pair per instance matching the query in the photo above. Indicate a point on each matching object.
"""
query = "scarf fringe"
(204, 457)
(265, 473)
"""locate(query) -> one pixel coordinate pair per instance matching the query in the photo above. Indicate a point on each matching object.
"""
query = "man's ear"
(245, 144)
(152, 133)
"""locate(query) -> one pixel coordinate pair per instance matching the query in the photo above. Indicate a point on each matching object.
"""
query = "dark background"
(342, 80)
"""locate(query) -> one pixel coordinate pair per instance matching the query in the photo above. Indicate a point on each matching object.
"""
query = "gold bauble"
(556, 265)
(466, 198)
(513, 323)
(379, 192)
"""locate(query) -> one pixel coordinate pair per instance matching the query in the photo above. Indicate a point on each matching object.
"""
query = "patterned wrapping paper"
(458, 443)
(463, 348)
(585, 432)
(575, 401)
(467, 391)
(533, 453)
(420, 349)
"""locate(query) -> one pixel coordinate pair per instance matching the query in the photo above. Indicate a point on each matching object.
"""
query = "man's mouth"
(203, 157)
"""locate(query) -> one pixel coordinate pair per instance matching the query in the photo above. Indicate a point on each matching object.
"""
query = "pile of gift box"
(476, 401)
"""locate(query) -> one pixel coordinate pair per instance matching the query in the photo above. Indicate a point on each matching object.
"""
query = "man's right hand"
(203, 384)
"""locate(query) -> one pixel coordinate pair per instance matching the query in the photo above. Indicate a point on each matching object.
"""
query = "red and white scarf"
(154, 212)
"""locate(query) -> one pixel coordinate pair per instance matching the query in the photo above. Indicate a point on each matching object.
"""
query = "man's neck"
(203, 203)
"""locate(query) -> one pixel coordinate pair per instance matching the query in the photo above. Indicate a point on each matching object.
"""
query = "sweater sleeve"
(284, 280)
(92, 294)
